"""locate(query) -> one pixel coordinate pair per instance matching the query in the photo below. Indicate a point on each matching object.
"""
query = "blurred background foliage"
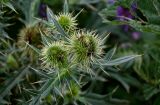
(134, 27)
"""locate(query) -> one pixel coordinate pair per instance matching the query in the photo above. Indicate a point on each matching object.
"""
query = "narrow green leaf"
(120, 79)
(95, 96)
(51, 19)
(149, 91)
(151, 12)
(12, 83)
(8, 4)
(66, 7)
(34, 7)
(34, 48)
(110, 54)
(40, 72)
(79, 13)
(120, 60)
(44, 39)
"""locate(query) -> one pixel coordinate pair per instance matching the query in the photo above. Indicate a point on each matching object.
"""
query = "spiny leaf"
(120, 60)
(41, 73)
(51, 18)
(120, 79)
(34, 48)
(44, 91)
(149, 91)
(8, 4)
(110, 54)
(12, 83)
(65, 7)
(152, 11)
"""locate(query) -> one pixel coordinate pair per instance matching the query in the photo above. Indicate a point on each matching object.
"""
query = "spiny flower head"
(86, 47)
(55, 55)
(31, 35)
(67, 21)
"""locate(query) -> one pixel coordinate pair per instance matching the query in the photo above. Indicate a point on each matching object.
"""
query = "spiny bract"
(67, 21)
(55, 55)
(86, 47)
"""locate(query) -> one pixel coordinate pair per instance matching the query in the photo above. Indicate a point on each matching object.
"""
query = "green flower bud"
(73, 93)
(67, 21)
(11, 62)
(55, 55)
(86, 47)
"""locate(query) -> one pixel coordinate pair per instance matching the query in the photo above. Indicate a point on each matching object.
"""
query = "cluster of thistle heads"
(79, 48)
(77, 51)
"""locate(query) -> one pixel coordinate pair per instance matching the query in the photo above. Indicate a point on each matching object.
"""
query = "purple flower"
(135, 35)
(123, 13)
(42, 10)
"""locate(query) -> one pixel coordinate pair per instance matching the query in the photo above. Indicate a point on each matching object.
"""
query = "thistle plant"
(67, 21)
(61, 60)
(53, 61)
(64, 56)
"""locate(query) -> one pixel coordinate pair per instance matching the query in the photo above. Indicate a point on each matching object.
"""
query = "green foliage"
(64, 74)
(150, 12)
(146, 19)
(66, 57)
